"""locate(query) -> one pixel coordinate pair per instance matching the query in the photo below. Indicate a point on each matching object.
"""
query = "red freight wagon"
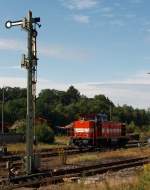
(97, 131)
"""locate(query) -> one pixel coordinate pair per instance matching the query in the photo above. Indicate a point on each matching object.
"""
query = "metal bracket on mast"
(24, 62)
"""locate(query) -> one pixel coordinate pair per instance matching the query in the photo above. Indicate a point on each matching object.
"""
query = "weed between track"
(132, 179)
(135, 182)
(90, 156)
(61, 141)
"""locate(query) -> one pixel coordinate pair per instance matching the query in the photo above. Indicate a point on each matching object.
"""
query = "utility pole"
(30, 63)
(2, 111)
(110, 112)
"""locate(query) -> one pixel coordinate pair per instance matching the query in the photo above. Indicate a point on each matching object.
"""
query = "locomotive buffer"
(30, 63)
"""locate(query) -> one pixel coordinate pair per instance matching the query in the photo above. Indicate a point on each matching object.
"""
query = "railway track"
(50, 153)
(58, 175)
(67, 150)
(17, 160)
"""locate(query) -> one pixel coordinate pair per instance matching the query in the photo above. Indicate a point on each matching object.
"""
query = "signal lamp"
(8, 24)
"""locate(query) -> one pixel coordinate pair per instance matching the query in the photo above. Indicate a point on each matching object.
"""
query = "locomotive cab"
(101, 117)
(87, 129)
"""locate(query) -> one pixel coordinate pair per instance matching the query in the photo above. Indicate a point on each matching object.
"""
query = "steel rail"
(55, 176)
(67, 151)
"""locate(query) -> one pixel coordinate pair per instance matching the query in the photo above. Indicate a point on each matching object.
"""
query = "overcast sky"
(99, 46)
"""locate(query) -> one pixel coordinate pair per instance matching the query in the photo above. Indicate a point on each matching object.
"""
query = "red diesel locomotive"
(97, 131)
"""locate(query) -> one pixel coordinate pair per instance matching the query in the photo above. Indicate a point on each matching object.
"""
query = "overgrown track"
(45, 153)
(51, 153)
(17, 160)
(55, 176)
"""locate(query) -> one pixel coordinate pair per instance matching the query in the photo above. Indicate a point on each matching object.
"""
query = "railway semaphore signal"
(30, 63)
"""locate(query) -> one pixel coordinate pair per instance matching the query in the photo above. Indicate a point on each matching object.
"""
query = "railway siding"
(58, 175)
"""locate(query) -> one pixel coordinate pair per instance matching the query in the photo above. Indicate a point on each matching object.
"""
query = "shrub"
(19, 126)
(44, 133)
(131, 128)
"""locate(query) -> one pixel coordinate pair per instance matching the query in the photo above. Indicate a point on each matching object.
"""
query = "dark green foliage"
(44, 133)
(15, 109)
(72, 95)
(62, 107)
(14, 104)
(19, 126)
(131, 128)
(127, 114)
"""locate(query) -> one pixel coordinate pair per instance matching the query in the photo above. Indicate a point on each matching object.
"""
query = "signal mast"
(29, 62)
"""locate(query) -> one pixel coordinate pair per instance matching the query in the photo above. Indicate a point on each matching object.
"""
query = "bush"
(44, 133)
(131, 128)
(19, 126)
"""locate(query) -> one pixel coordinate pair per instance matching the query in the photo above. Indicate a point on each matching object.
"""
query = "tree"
(63, 107)
(101, 104)
(72, 95)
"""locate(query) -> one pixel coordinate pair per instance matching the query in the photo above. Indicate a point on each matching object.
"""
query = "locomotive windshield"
(101, 117)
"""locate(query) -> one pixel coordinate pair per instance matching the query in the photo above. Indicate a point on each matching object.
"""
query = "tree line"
(62, 107)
